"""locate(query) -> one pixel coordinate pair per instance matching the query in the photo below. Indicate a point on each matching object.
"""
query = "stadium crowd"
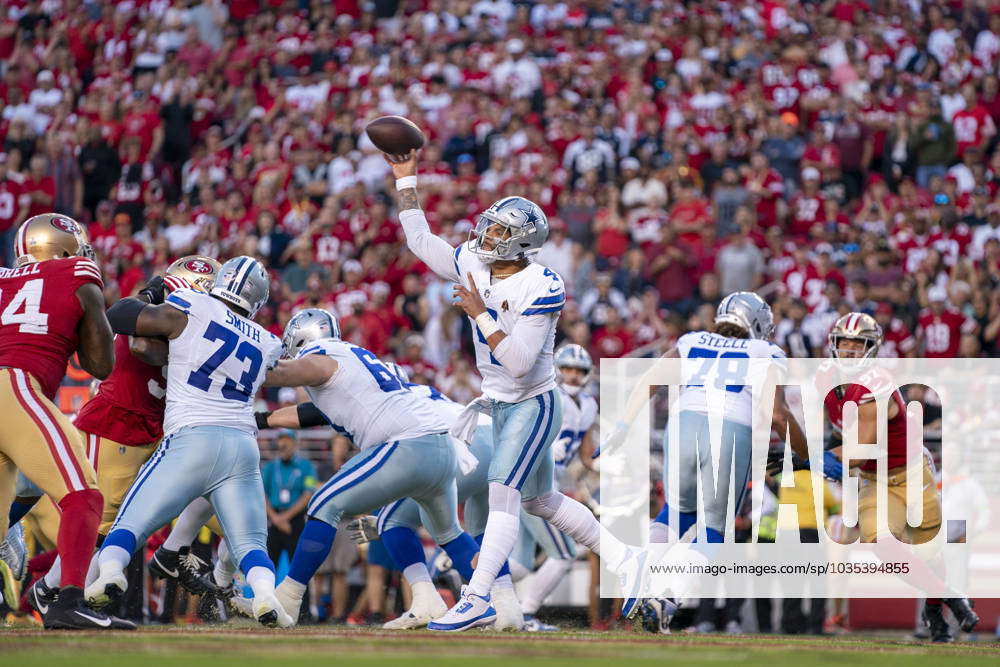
(832, 155)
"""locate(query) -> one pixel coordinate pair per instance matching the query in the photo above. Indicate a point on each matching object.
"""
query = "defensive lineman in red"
(51, 306)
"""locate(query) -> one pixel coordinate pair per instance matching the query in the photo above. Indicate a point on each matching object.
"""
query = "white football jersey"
(216, 365)
(533, 291)
(446, 408)
(365, 400)
(579, 415)
(725, 362)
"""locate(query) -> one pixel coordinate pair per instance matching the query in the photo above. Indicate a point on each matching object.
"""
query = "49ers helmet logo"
(65, 224)
(197, 266)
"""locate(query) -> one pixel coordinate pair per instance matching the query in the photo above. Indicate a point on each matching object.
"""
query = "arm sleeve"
(432, 250)
(519, 350)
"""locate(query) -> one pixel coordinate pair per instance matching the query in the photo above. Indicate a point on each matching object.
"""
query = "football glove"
(154, 290)
(363, 530)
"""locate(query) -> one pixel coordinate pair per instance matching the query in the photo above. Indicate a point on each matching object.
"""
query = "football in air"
(395, 135)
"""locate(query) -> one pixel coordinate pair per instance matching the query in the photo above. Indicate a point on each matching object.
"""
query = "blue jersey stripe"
(173, 298)
(543, 310)
(458, 250)
(548, 299)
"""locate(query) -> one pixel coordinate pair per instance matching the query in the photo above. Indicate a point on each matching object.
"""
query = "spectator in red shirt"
(766, 189)
(670, 267)
(13, 211)
(38, 187)
(196, 54)
(807, 207)
(613, 339)
(940, 327)
(691, 212)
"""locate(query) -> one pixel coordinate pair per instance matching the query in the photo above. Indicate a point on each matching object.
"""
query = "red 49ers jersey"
(128, 407)
(39, 314)
(869, 386)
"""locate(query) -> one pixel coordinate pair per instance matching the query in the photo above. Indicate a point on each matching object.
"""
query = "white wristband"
(487, 325)
(406, 182)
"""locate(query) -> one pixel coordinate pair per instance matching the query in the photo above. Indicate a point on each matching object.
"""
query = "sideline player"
(51, 305)
(853, 341)
(122, 424)
(514, 305)
(218, 358)
(405, 449)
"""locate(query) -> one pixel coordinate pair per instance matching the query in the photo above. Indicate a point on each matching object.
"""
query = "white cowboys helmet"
(242, 282)
(747, 311)
(516, 226)
(572, 355)
(307, 326)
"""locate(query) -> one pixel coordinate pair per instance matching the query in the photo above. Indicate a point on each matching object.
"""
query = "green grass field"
(248, 646)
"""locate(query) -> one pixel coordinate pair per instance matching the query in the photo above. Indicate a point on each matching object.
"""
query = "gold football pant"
(896, 511)
(39, 440)
(117, 466)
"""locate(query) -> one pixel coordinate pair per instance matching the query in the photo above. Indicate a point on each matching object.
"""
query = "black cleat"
(964, 613)
(181, 566)
(70, 612)
(933, 615)
(212, 605)
(41, 596)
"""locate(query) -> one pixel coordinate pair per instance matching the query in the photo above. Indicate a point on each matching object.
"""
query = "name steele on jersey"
(247, 329)
(723, 343)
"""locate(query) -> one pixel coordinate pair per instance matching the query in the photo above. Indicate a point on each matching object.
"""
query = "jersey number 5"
(202, 377)
(27, 300)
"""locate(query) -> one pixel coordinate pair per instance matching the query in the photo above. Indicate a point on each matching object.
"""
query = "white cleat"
(471, 611)
(241, 605)
(288, 599)
(270, 613)
(632, 575)
(508, 608)
(419, 615)
(107, 588)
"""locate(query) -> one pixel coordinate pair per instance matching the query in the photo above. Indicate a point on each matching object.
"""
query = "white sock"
(188, 524)
(94, 569)
(424, 595)
(546, 578)
(54, 575)
(503, 582)
(578, 522)
(659, 533)
(225, 569)
(416, 574)
(113, 560)
(517, 571)
(297, 589)
(498, 541)
(261, 580)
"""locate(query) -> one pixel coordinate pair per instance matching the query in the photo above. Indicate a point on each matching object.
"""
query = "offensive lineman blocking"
(210, 448)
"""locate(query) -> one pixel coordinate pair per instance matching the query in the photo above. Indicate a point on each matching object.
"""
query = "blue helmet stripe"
(251, 265)
(236, 275)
